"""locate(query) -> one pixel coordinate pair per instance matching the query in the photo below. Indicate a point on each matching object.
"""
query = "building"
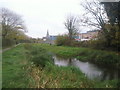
(90, 35)
(50, 39)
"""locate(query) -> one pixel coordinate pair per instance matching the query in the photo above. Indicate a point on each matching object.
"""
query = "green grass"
(61, 77)
(20, 71)
(85, 54)
(13, 64)
(70, 77)
(47, 76)
(53, 70)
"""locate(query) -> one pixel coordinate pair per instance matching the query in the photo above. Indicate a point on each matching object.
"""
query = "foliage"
(68, 77)
(37, 55)
(13, 27)
(51, 71)
(87, 54)
(96, 44)
(106, 18)
(101, 58)
(14, 68)
(7, 42)
(27, 75)
(75, 43)
(10, 22)
(62, 40)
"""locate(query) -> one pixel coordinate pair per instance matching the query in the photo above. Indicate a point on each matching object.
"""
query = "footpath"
(1, 51)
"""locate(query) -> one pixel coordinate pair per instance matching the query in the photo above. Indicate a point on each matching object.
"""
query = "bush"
(97, 44)
(37, 55)
(84, 43)
(28, 46)
(63, 40)
(100, 57)
(75, 43)
(7, 42)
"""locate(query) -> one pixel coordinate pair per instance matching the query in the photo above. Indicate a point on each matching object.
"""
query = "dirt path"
(1, 51)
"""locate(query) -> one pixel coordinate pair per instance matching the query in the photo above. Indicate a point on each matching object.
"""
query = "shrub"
(28, 46)
(63, 40)
(37, 55)
(7, 42)
(75, 43)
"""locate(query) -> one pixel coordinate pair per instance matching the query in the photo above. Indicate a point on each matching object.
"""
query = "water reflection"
(92, 71)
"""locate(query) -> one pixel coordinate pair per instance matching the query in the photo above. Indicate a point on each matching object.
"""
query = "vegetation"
(72, 25)
(47, 75)
(38, 56)
(14, 68)
(13, 28)
(11, 22)
(106, 19)
(113, 13)
(62, 40)
(86, 54)
(31, 65)
(22, 72)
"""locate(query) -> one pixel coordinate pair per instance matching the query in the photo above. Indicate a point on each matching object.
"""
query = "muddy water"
(91, 70)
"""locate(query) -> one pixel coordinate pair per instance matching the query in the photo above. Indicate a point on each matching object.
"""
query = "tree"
(72, 25)
(13, 27)
(10, 22)
(96, 16)
(113, 13)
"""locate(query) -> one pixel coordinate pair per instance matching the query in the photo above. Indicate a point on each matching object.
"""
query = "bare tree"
(10, 22)
(95, 14)
(72, 25)
(113, 11)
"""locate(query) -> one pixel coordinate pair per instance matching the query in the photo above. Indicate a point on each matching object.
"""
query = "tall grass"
(47, 75)
(21, 69)
(86, 54)
(37, 55)
(14, 74)
(52, 76)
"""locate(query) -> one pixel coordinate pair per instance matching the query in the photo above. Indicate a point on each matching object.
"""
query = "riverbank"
(102, 58)
(21, 71)
(69, 76)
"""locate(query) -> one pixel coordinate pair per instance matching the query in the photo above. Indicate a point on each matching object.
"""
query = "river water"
(91, 70)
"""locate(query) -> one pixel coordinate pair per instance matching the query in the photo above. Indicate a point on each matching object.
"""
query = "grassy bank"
(47, 75)
(19, 70)
(14, 64)
(30, 66)
(86, 54)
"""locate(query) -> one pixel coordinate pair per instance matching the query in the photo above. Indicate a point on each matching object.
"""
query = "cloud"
(40, 15)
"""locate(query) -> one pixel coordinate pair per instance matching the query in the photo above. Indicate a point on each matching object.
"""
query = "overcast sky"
(43, 15)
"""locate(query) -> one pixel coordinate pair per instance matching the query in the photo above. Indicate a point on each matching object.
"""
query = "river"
(92, 71)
